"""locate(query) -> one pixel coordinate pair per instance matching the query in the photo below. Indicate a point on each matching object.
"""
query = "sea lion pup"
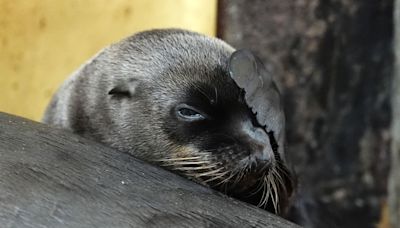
(166, 96)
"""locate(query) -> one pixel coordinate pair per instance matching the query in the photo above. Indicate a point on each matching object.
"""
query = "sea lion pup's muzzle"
(261, 154)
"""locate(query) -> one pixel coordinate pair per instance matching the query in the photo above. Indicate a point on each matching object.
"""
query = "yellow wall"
(43, 41)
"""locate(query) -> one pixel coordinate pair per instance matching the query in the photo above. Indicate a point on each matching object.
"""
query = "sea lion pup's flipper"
(261, 94)
(263, 98)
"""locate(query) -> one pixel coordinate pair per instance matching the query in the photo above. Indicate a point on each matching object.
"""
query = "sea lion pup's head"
(172, 102)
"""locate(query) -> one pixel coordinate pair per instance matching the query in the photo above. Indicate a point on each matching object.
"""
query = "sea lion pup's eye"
(188, 113)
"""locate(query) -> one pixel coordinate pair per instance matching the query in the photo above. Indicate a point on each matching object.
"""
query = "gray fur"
(156, 66)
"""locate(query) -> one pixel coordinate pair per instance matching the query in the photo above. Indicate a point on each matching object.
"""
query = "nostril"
(262, 154)
(266, 154)
(260, 161)
(262, 151)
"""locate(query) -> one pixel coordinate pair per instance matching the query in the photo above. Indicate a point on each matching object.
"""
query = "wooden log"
(53, 178)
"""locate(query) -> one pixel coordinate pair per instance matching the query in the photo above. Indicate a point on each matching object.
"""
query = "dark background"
(333, 62)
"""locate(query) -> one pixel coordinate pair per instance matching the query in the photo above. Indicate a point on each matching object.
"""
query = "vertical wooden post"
(394, 177)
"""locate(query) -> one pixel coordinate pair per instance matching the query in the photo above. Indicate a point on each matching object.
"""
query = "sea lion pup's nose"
(260, 146)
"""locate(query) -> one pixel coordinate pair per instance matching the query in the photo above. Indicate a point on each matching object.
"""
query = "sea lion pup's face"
(189, 116)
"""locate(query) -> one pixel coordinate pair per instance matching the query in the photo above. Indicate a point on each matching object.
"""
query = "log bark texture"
(52, 178)
(333, 63)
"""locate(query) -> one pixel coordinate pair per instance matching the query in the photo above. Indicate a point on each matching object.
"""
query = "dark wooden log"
(333, 61)
(53, 178)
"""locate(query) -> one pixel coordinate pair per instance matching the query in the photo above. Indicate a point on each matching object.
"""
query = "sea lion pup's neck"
(165, 96)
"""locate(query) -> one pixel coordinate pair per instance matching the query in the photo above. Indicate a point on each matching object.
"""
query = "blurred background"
(43, 41)
(334, 61)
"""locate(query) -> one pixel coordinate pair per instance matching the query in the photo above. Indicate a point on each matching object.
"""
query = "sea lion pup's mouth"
(267, 185)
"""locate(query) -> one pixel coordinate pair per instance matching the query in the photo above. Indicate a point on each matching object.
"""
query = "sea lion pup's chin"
(166, 97)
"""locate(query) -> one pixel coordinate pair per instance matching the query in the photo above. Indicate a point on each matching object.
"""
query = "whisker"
(190, 163)
(178, 159)
(240, 175)
(216, 177)
(225, 181)
(268, 191)
(212, 172)
(194, 168)
(261, 203)
(202, 92)
(283, 170)
(216, 94)
(275, 199)
(278, 177)
(258, 188)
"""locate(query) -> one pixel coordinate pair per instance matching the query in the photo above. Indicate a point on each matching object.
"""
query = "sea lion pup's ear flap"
(124, 89)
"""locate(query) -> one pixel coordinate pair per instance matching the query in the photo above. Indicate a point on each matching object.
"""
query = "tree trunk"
(333, 62)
